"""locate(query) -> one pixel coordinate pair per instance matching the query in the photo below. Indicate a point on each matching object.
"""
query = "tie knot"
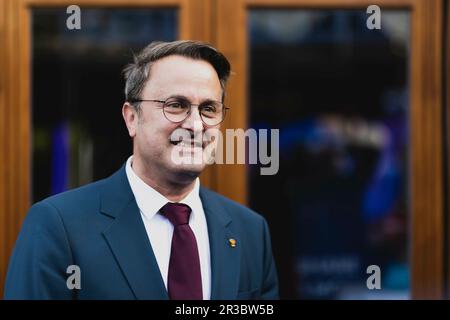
(177, 213)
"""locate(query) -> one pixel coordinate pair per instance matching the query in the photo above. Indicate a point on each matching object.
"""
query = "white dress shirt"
(160, 229)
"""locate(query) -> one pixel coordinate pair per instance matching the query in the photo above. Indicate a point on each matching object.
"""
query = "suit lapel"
(128, 240)
(225, 259)
(129, 243)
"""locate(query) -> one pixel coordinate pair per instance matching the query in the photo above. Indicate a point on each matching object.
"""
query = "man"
(150, 231)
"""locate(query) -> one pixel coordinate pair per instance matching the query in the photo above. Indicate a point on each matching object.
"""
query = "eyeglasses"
(178, 109)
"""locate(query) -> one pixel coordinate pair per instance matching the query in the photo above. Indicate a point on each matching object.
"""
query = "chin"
(186, 162)
(185, 174)
(194, 169)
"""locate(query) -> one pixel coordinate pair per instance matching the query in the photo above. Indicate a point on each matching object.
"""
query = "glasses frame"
(188, 113)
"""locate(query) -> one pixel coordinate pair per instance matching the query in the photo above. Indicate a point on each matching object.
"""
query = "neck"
(172, 190)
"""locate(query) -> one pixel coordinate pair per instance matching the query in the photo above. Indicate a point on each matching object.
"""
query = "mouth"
(188, 143)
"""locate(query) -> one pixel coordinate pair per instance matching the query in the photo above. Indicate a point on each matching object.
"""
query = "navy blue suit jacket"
(99, 228)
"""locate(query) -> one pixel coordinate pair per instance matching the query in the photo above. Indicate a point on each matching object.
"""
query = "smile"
(187, 143)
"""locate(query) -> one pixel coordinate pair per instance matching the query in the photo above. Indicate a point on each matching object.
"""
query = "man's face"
(175, 76)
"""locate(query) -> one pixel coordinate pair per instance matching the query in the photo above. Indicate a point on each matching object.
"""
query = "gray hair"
(137, 73)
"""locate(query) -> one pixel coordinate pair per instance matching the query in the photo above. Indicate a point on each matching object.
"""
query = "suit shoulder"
(234, 208)
(84, 196)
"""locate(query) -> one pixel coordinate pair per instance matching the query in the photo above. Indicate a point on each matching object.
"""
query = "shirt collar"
(150, 201)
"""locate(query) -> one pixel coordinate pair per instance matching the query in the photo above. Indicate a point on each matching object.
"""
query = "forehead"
(183, 76)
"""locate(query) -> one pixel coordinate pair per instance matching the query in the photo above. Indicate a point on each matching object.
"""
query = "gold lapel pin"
(232, 242)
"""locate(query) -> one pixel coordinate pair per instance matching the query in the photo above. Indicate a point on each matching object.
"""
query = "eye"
(208, 108)
(175, 104)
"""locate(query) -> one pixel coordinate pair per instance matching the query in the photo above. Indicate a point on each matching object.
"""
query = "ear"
(130, 117)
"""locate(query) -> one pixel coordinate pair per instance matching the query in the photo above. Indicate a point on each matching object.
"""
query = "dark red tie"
(184, 278)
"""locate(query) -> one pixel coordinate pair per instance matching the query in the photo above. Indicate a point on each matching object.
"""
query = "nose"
(194, 121)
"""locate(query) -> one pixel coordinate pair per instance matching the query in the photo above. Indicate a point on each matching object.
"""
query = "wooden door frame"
(447, 128)
(426, 135)
(15, 98)
(3, 169)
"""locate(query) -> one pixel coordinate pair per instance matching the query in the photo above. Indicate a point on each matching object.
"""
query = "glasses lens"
(212, 113)
(176, 110)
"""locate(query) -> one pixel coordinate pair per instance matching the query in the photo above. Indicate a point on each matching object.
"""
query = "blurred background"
(362, 116)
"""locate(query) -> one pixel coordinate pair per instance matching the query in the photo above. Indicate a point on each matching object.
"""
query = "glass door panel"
(339, 93)
(78, 90)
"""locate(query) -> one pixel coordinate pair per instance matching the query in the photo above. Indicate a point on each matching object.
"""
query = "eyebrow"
(179, 96)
